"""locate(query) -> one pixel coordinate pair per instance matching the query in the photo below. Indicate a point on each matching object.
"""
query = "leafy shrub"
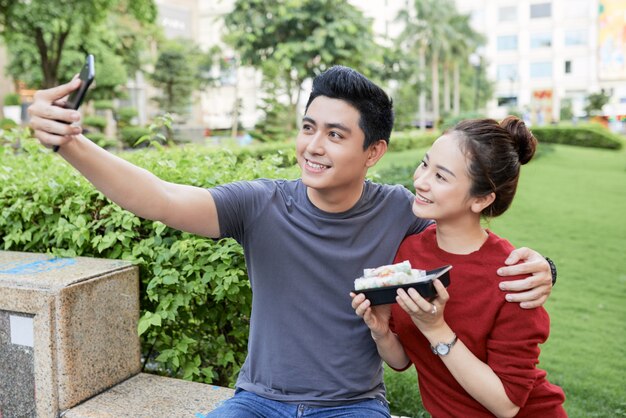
(282, 155)
(98, 122)
(195, 296)
(6, 124)
(130, 134)
(397, 174)
(102, 140)
(403, 393)
(594, 136)
(103, 104)
(12, 99)
(125, 116)
(406, 140)
(13, 138)
(452, 120)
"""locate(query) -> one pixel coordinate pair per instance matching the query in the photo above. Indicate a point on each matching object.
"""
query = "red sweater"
(499, 333)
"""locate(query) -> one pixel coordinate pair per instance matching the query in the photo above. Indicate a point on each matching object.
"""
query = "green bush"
(98, 122)
(12, 99)
(403, 393)
(103, 104)
(125, 115)
(452, 120)
(590, 135)
(6, 124)
(102, 140)
(195, 295)
(405, 140)
(130, 134)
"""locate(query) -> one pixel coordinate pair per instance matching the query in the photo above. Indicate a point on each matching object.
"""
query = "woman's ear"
(480, 203)
(376, 152)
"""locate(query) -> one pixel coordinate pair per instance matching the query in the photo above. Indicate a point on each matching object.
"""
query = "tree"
(434, 34)
(181, 68)
(47, 40)
(413, 41)
(176, 73)
(292, 40)
(595, 103)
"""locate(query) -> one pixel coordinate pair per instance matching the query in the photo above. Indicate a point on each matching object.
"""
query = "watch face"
(442, 349)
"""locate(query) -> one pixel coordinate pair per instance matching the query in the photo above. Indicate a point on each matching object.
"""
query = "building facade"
(545, 55)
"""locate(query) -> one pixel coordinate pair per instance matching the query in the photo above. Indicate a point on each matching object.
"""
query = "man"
(304, 241)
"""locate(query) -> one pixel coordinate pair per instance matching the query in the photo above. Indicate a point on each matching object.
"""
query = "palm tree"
(438, 14)
(463, 41)
(415, 39)
(437, 34)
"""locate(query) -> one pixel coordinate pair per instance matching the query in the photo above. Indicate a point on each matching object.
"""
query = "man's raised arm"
(135, 189)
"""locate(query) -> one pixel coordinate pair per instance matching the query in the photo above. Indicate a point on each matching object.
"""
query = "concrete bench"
(69, 345)
(147, 395)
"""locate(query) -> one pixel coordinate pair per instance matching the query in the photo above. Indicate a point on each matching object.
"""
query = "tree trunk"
(51, 56)
(457, 88)
(434, 69)
(422, 93)
(296, 117)
(446, 86)
(235, 113)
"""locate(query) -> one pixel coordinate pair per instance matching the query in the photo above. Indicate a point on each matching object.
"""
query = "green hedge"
(130, 134)
(594, 136)
(195, 295)
(406, 140)
(98, 122)
(587, 135)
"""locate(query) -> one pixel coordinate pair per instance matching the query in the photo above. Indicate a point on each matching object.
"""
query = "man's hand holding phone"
(54, 110)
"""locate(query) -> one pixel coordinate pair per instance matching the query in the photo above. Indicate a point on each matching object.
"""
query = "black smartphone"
(87, 75)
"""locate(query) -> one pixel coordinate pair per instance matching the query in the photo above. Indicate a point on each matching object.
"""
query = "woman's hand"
(427, 316)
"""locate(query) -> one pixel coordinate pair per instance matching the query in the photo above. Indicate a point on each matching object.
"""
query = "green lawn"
(570, 206)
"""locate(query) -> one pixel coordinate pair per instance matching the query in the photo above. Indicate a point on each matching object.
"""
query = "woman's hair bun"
(523, 140)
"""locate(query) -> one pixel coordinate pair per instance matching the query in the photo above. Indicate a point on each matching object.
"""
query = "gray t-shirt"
(306, 344)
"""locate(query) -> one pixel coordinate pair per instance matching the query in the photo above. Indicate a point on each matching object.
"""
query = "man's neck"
(335, 201)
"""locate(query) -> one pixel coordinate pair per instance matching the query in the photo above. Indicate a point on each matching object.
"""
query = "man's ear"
(480, 203)
(376, 152)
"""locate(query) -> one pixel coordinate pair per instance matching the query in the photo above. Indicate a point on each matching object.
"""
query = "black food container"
(425, 287)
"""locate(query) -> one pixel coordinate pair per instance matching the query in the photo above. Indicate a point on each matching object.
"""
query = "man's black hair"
(374, 106)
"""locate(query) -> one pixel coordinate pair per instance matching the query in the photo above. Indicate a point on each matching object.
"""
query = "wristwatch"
(552, 270)
(443, 349)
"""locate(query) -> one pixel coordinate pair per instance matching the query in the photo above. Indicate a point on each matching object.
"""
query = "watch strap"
(449, 345)
(552, 270)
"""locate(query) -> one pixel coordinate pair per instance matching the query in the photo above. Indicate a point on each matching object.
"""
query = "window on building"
(540, 10)
(507, 14)
(478, 18)
(540, 69)
(541, 40)
(568, 67)
(507, 72)
(576, 9)
(507, 43)
(575, 37)
(507, 101)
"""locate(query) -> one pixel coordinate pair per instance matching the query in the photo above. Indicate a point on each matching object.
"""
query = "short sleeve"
(238, 203)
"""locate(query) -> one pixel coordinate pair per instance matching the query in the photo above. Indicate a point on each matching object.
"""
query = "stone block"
(68, 330)
(147, 395)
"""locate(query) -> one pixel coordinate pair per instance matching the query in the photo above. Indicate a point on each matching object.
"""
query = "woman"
(475, 354)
